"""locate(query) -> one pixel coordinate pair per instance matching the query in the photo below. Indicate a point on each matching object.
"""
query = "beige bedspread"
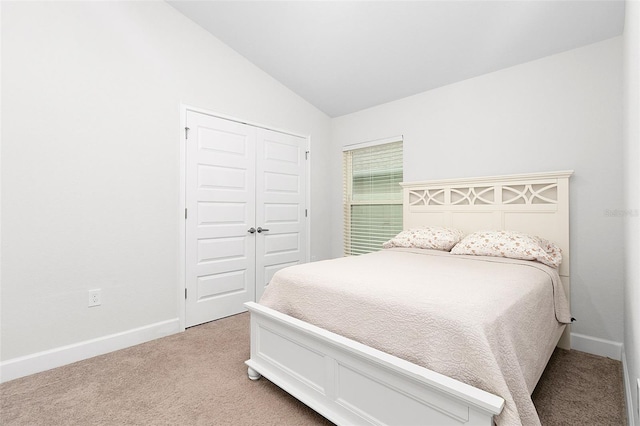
(488, 322)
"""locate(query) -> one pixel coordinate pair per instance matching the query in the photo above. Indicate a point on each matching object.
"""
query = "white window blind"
(372, 196)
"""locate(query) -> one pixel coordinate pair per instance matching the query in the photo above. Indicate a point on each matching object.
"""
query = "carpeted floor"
(578, 388)
(199, 378)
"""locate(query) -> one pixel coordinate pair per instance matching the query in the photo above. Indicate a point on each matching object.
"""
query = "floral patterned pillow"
(432, 237)
(515, 245)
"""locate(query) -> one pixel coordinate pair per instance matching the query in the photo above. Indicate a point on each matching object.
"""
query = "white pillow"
(511, 244)
(432, 237)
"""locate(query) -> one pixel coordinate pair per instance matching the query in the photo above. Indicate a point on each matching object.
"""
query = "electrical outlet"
(95, 298)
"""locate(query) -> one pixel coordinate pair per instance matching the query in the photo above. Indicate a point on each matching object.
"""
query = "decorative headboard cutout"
(489, 195)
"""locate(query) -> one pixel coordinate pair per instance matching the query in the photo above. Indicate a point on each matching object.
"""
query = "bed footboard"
(350, 383)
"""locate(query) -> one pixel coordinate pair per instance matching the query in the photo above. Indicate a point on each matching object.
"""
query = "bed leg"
(253, 374)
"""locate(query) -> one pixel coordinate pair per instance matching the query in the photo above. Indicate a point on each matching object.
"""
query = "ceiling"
(345, 56)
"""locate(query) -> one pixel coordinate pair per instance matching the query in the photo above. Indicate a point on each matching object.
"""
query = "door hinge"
(186, 133)
(185, 293)
(306, 213)
(185, 213)
(306, 155)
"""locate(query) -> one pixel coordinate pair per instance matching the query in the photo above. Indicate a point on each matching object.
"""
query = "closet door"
(221, 205)
(281, 204)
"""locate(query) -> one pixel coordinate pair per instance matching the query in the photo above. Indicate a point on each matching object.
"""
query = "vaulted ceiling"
(345, 56)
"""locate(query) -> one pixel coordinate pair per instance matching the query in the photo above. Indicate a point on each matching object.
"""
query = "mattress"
(489, 322)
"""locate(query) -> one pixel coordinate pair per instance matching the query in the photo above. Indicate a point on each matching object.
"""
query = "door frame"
(182, 197)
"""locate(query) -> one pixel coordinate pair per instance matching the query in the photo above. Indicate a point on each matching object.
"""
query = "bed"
(363, 361)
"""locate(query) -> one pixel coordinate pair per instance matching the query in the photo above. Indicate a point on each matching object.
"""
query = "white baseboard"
(596, 346)
(628, 383)
(46, 360)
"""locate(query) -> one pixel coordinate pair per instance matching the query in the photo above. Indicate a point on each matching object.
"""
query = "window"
(372, 196)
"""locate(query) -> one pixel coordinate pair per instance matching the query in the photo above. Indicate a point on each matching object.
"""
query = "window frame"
(347, 193)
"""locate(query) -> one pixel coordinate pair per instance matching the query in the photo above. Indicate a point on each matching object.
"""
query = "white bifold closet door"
(246, 213)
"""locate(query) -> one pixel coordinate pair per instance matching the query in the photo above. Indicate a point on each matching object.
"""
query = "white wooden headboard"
(536, 203)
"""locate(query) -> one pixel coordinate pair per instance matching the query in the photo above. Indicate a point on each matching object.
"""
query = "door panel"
(220, 194)
(281, 203)
(240, 177)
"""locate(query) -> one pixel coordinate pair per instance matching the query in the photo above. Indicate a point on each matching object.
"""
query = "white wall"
(91, 95)
(631, 39)
(557, 113)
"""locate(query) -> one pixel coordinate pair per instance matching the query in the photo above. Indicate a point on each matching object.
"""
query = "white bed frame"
(350, 383)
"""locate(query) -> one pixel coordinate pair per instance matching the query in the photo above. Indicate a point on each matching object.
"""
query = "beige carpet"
(578, 388)
(199, 378)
